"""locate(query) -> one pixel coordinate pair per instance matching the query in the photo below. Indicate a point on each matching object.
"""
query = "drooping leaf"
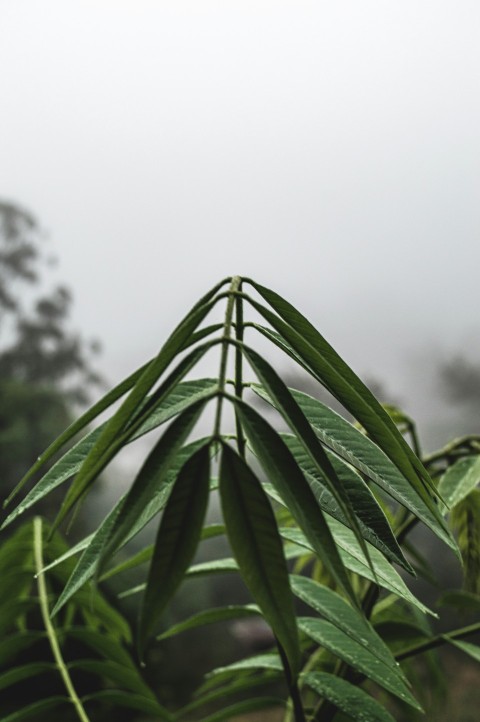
(242, 708)
(127, 677)
(253, 535)
(373, 524)
(284, 473)
(351, 700)
(386, 576)
(177, 538)
(151, 478)
(459, 480)
(357, 656)
(144, 555)
(238, 685)
(108, 442)
(106, 646)
(336, 610)
(343, 383)
(88, 564)
(294, 416)
(212, 616)
(128, 700)
(33, 710)
(356, 449)
(18, 642)
(174, 403)
(270, 662)
(25, 671)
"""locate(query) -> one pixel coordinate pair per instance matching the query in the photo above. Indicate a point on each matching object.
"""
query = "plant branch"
(239, 385)
(437, 641)
(222, 374)
(52, 635)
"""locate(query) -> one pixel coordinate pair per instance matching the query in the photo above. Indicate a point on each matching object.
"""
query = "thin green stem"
(52, 635)
(222, 374)
(239, 385)
(471, 441)
(299, 714)
(438, 641)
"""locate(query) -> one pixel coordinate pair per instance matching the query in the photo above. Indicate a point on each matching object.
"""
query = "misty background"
(329, 150)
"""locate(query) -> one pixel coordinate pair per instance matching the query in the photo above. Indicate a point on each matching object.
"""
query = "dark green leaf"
(127, 677)
(283, 471)
(13, 644)
(88, 563)
(105, 646)
(180, 398)
(386, 576)
(212, 616)
(336, 610)
(358, 450)
(241, 708)
(26, 671)
(351, 700)
(344, 384)
(129, 701)
(177, 538)
(108, 442)
(237, 685)
(373, 524)
(33, 710)
(286, 404)
(357, 656)
(252, 531)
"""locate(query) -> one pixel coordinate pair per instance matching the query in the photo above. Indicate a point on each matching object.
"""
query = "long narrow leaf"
(151, 477)
(385, 575)
(88, 564)
(33, 710)
(294, 416)
(212, 616)
(177, 538)
(343, 383)
(252, 531)
(357, 656)
(351, 700)
(338, 612)
(284, 473)
(358, 450)
(105, 446)
(373, 524)
(179, 398)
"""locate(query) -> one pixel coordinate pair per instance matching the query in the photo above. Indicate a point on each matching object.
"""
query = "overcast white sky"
(330, 149)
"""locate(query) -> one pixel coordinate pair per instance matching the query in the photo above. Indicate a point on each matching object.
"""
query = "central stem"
(227, 328)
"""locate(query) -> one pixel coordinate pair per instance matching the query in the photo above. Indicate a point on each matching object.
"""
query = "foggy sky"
(328, 149)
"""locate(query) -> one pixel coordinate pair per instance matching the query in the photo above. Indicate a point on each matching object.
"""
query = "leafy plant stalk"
(50, 629)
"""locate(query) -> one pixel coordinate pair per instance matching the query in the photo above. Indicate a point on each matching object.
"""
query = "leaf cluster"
(319, 515)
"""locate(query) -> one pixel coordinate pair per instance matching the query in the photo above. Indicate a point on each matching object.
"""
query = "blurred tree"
(460, 379)
(44, 368)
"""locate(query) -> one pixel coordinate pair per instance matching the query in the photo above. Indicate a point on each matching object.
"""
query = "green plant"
(336, 500)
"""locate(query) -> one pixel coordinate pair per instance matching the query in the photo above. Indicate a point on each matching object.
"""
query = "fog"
(329, 150)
